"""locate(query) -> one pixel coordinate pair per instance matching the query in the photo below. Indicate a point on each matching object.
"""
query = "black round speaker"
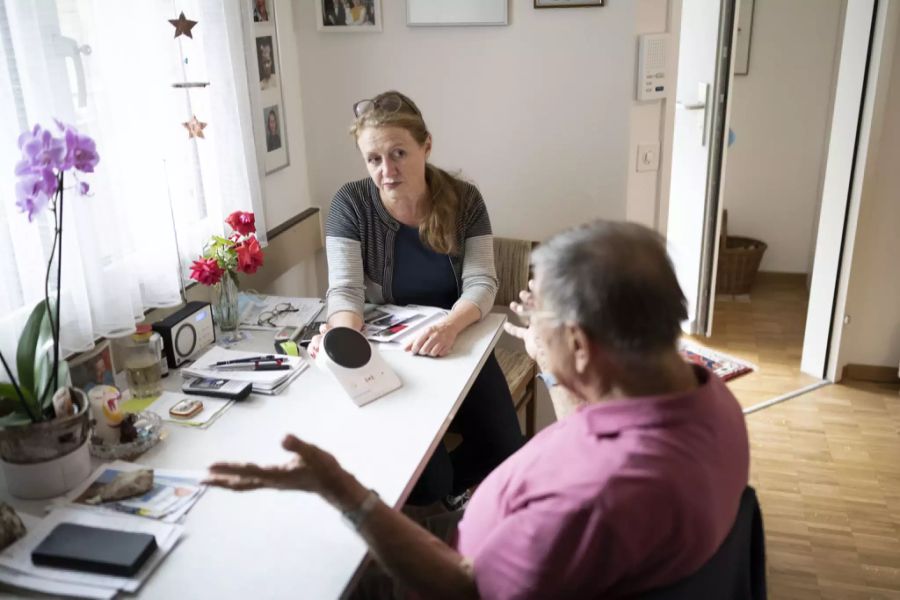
(347, 347)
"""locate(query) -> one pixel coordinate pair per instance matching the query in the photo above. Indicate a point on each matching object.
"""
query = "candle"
(105, 410)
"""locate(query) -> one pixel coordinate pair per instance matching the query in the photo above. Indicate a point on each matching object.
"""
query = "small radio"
(186, 333)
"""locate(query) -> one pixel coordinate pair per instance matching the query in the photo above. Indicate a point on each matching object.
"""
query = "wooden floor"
(826, 465)
(766, 329)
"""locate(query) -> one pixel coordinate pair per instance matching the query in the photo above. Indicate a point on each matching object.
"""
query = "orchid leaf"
(28, 344)
(9, 398)
(43, 365)
(14, 418)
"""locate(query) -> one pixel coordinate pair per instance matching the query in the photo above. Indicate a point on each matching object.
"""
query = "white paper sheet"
(212, 409)
(18, 556)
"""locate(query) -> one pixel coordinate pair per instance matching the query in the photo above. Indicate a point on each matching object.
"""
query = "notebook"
(264, 382)
(94, 549)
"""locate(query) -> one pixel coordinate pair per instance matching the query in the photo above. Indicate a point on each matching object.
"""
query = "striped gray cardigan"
(359, 242)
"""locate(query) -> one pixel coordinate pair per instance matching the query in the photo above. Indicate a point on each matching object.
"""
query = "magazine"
(172, 495)
(391, 323)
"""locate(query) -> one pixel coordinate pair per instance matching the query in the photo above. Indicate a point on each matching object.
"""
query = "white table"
(271, 544)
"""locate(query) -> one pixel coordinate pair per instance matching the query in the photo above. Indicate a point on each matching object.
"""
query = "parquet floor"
(826, 465)
(766, 329)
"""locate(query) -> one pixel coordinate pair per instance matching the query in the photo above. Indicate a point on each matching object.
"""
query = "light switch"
(648, 157)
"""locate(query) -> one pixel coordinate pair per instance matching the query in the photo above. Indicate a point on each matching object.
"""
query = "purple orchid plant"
(40, 186)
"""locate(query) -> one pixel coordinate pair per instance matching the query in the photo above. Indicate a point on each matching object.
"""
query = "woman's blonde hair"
(438, 227)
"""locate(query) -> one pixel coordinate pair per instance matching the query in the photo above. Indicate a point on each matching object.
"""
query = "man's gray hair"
(616, 281)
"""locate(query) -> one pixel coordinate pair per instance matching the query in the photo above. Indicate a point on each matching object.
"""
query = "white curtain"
(107, 68)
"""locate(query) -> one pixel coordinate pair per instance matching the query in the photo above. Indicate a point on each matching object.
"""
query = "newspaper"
(268, 312)
(171, 497)
(391, 323)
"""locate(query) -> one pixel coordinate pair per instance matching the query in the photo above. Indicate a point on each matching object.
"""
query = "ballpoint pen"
(254, 366)
(249, 359)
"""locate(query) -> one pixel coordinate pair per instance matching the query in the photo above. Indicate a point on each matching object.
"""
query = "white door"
(704, 81)
(837, 187)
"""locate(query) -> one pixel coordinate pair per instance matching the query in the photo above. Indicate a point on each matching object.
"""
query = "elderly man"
(635, 486)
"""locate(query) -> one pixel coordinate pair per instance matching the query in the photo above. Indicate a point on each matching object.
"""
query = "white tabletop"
(271, 544)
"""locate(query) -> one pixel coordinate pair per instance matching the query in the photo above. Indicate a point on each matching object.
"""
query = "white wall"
(780, 116)
(872, 335)
(537, 113)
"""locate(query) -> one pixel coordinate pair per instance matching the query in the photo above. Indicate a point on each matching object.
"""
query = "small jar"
(143, 353)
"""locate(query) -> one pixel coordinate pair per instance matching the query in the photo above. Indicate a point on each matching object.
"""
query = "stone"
(125, 485)
(11, 526)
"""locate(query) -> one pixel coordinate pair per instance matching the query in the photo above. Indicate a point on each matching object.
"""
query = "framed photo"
(265, 61)
(260, 10)
(93, 367)
(272, 123)
(266, 96)
(567, 3)
(438, 13)
(348, 16)
(744, 33)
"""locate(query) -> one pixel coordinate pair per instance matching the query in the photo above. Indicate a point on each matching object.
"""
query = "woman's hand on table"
(316, 341)
(311, 469)
(436, 340)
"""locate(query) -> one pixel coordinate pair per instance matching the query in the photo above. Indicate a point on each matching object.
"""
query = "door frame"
(715, 174)
(834, 250)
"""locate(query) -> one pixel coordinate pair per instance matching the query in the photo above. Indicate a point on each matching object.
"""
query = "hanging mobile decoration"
(183, 25)
(195, 127)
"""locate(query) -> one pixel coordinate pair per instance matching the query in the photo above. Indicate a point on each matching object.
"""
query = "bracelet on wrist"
(356, 517)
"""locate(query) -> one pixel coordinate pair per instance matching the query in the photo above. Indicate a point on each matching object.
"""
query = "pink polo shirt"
(619, 497)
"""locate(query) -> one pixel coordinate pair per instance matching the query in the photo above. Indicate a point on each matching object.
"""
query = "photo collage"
(271, 117)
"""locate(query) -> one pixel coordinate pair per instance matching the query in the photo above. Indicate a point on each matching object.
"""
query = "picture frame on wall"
(348, 16)
(93, 367)
(567, 3)
(464, 13)
(743, 38)
(266, 94)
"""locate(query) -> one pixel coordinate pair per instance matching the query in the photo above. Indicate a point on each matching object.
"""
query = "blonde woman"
(410, 233)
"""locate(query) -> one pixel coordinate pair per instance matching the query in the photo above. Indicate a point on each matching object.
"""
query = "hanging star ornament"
(183, 25)
(195, 127)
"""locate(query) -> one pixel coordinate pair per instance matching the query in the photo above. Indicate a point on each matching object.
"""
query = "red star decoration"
(183, 25)
(195, 127)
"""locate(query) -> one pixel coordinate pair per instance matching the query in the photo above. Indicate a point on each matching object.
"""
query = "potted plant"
(44, 425)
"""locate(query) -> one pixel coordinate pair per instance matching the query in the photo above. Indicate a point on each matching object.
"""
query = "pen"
(258, 366)
(249, 359)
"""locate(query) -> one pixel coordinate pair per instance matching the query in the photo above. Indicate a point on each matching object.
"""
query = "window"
(107, 67)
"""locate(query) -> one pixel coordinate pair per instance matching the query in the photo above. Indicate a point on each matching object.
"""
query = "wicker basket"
(739, 259)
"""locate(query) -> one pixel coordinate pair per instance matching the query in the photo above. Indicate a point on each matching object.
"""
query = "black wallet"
(94, 549)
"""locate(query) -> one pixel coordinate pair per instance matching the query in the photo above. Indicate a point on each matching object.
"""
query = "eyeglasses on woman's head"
(390, 102)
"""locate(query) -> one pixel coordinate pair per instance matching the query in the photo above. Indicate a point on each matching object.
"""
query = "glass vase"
(225, 303)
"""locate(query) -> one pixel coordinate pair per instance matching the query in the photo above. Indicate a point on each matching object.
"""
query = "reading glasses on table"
(268, 317)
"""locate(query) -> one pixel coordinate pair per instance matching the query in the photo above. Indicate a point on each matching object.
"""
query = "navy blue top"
(421, 275)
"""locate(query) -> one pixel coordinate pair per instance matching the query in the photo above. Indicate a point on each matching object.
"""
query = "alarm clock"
(356, 364)
(186, 332)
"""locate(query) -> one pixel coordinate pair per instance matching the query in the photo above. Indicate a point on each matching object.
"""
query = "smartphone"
(230, 389)
(309, 332)
(187, 407)
(288, 332)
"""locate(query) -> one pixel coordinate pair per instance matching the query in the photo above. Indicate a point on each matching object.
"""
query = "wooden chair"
(512, 259)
